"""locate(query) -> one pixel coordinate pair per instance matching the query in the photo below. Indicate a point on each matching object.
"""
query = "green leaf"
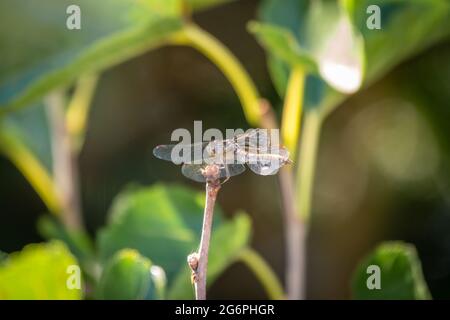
(400, 274)
(42, 54)
(39, 271)
(282, 44)
(279, 72)
(163, 222)
(128, 276)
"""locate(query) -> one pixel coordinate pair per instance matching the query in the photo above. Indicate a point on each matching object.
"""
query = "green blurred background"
(383, 168)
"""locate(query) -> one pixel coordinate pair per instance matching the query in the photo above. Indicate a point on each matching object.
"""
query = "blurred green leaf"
(41, 54)
(400, 274)
(127, 276)
(39, 271)
(282, 44)
(164, 224)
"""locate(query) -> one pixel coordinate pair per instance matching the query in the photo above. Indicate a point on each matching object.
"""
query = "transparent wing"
(257, 138)
(255, 153)
(264, 168)
(180, 153)
(195, 171)
(267, 163)
(164, 151)
(233, 169)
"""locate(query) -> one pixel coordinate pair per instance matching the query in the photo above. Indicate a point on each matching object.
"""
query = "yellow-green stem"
(30, 167)
(230, 66)
(307, 162)
(263, 272)
(78, 109)
(292, 110)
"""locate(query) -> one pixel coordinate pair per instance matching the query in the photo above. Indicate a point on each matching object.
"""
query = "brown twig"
(199, 262)
(65, 168)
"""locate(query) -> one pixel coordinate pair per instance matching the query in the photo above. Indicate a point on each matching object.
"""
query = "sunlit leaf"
(39, 271)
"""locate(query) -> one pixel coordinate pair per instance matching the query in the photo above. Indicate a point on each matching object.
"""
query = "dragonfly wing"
(257, 138)
(267, 164)
(195, 171)
(164, 152)
(230, 170)
(265, 168)
(179, 153)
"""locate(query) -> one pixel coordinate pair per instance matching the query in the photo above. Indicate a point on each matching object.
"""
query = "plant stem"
(230, 66)
(65, 170)
(263, 272)
(292, 110)
(78, 110)
(307, 162)
(295, 237)
(212, 188)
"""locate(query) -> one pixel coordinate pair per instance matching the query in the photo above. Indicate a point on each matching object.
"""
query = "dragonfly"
(255, 148)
